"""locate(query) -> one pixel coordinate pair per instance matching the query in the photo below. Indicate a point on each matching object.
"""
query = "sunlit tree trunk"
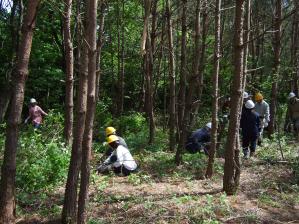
(216, 68)
(8, 169)
(276, 65)
(69, 67)
(90, 112)
(172, 111)
(229, 184)
(69, 211)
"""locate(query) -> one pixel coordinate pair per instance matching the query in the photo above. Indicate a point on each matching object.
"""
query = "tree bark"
(183, 74)
(191, 86)
(69, 214)
(8, 169)
(172, 95)
(88, 132)
(69, 65)
(229, 184)
(276, 67)
(99, 47)
(217, 49)
(296, 49)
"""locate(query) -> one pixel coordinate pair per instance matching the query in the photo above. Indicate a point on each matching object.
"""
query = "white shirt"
(124, 158)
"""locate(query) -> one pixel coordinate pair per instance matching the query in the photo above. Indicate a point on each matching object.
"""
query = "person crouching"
(120, 161)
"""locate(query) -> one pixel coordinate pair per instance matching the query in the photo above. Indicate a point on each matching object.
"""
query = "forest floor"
(164, 193)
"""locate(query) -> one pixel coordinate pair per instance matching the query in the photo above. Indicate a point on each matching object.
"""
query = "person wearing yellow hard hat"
(120, 161)
(112, 131)
(263, 110)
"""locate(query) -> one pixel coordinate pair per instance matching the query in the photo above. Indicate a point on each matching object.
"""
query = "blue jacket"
(249, 123)
(196, 139)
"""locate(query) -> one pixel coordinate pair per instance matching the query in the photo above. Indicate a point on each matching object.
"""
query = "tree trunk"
(217, 56)
(99, 47)
(69, 65)
(149, 66)
(191, 88)
(201, 65)
(276, 68)
(8, 169)
(88, 132)
(69, 214)
(229, 184)
(296, 49)
(183, 72)
(172, 95)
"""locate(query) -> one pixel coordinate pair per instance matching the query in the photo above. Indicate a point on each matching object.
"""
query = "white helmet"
(249, 104)
(245, 95)
(32, 100)
(291, 95)
(209, 125)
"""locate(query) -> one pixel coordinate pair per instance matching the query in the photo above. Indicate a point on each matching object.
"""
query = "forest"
(149, 111)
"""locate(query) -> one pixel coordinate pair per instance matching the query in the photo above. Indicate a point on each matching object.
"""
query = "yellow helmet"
(258, 97)
(112, 138)
(110, 131)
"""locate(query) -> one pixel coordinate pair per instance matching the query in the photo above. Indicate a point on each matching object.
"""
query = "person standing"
(249, 125)
(293, 113)
(35, 114)
(262, 108)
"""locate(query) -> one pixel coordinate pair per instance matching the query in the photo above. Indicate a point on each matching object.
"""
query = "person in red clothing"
(35, 114)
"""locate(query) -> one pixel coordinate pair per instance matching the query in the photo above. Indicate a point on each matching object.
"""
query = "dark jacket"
(249, 123)
(196, 139)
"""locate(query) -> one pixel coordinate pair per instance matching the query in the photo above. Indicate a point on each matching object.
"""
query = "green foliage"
(133, 122)
(42, 159)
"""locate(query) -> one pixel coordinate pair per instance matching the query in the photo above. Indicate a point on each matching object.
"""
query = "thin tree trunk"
(217, 51)
(229, 184)
(8, 169)
(296, 49)
(88, 132)
(147, 11)
(99, 47)
(69, 65)
(69, 214)
(201, 65)
(191, 88)
(172, 114)
(183, 72)
(276, 68)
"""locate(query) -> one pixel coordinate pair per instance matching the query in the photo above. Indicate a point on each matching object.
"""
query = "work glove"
(26, 121)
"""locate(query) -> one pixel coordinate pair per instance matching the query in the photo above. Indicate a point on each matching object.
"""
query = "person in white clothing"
(120, 161)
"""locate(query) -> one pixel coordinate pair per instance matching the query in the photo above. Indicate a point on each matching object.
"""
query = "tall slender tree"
(8, 169)
(230, 184)
(217, 51)
(69, 213)
(276, 64)
(91, 103)
(69, 67)
(172, 104)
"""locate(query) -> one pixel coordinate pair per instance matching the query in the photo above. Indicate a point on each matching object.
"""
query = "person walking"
(292, 114)
(262, 108)
(35, 114)
(249, 125)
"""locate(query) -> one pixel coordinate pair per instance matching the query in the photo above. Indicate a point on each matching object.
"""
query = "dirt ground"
(267, 194)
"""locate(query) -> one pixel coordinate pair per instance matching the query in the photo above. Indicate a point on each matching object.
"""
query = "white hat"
(32, 100)
(245, 95)
(249, 104)
(209, 125)
(291, 95)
